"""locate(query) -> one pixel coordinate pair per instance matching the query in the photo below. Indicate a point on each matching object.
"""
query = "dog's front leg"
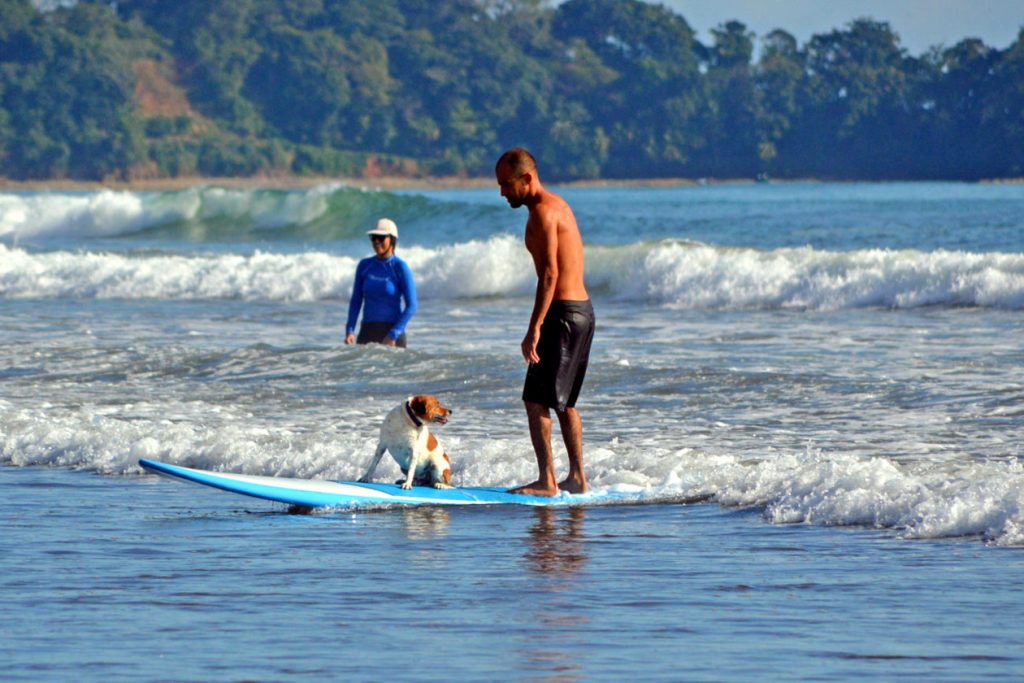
(410, 476)
(373, 463)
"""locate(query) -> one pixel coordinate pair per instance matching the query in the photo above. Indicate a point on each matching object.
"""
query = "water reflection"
(425, 522)
(428, 528)
(557, 542)
(556, 550)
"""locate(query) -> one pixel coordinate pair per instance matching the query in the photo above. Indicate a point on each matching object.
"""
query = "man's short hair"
(519, 160)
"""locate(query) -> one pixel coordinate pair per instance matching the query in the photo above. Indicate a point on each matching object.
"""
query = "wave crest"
(692, 275)
(202, 214)
(671, 273)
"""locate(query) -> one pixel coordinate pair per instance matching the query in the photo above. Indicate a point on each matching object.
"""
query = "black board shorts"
(564, 350)
(375, 333)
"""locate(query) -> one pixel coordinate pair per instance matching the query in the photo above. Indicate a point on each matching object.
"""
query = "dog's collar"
(412, 416)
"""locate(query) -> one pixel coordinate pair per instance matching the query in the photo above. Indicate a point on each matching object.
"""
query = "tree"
(732, 118)
(466, 89)
(858, 101)
(650, 111)
(1005, 110)
(780, 86)
(299, 86)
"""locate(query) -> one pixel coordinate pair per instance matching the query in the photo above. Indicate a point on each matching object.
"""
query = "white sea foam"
(983, 499)
(921, 500)
(60, 275)
(701, 276)
(671, 273)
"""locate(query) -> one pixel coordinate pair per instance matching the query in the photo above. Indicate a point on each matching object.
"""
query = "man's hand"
(529, 346)
(388, 341)
(350, 338)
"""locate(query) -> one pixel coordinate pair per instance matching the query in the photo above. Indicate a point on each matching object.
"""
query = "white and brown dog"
(404, 434)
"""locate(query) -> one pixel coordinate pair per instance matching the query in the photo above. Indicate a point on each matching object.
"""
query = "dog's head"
(429, 409)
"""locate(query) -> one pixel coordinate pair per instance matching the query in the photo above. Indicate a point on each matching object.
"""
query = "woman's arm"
(408, 287)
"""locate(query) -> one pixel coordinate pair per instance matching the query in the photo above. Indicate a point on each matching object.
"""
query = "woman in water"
(383, 281)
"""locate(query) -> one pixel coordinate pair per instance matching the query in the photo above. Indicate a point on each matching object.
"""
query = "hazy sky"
(919, 23)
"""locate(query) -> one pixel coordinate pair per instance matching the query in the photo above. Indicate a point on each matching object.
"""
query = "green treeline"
(596, 88)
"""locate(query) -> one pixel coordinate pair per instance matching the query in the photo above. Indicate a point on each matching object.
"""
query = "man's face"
(513, 185)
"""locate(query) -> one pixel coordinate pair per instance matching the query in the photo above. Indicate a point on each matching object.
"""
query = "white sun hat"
(384, 227)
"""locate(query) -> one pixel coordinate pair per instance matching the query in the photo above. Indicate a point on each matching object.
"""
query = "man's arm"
(543, 247)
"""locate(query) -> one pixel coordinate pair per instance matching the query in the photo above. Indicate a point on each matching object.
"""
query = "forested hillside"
(596, 88)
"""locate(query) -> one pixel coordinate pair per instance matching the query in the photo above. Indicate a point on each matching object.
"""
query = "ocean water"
(818, 387)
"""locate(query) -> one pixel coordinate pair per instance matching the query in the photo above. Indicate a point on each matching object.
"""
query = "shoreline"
(403, 183)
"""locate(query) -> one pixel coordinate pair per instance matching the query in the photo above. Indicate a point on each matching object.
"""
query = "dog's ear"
(418, 405)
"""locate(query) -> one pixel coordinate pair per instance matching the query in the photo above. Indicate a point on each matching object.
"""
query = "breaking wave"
(665, 273)
(208, 214)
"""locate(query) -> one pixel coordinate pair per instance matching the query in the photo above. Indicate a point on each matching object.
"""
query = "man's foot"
(574, 486)
(537, 488)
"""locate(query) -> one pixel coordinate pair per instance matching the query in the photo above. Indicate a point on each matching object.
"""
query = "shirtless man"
(557, 342)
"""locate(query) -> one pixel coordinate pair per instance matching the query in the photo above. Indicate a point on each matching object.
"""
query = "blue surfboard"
(321, 493)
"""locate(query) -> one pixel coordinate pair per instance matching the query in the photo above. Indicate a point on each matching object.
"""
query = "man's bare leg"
(572, 435)
(540, 434)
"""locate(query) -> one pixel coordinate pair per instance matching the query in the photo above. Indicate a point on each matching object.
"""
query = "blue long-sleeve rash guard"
(379, 287)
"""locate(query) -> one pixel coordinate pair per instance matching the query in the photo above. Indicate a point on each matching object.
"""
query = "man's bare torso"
(552, 213)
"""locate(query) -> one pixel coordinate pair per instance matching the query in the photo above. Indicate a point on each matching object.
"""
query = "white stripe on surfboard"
(322, 486)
